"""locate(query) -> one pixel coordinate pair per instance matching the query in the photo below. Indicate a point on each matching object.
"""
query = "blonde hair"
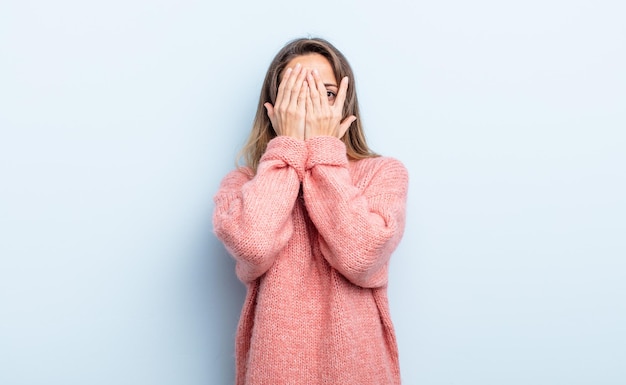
(262, 131)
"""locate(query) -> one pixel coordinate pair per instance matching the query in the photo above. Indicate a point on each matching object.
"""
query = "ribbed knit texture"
(312, 234)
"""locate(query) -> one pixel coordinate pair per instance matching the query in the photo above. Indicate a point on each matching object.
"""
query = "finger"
(270, 114)
(308, 123)
(282, 85)
(297, 88)
(341, 94)
(313, 90)
(309, 102)
(321, 88)
(290, 84)
(345, 125)
(302, 96)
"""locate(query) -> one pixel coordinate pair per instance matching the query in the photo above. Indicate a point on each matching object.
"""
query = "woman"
(312, 222)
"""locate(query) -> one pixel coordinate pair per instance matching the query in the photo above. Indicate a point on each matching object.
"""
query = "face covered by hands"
(308, 102)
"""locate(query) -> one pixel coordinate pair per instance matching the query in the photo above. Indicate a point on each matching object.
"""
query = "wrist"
(325, 150)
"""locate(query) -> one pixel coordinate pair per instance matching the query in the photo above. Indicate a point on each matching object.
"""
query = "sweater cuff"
(290, 150)
(325, 150)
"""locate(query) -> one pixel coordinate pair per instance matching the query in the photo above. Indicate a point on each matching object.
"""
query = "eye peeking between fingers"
(331, 96)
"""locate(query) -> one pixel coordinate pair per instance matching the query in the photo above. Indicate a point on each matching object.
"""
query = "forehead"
(315, 61)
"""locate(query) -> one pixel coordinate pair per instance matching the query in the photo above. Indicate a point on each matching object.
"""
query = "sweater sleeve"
(252, 215)
(359, 226)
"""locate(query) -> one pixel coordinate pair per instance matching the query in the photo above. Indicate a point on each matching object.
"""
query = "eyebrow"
(330, 84)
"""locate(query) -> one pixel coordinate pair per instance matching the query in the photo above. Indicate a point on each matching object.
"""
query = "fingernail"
(298, 65)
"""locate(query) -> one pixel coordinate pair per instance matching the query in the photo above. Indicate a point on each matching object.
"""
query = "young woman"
(312, 221)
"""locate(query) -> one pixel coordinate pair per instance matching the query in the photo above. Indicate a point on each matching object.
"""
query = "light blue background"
(118, 119)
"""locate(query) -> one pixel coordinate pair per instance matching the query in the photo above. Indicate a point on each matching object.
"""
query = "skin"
(309, 103)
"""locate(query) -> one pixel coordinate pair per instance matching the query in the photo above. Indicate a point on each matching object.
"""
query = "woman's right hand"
(288, 113)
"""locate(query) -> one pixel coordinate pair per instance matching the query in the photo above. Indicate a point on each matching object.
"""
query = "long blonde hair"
(262, 131)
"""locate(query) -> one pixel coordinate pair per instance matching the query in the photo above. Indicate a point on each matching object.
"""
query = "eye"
(331, 95)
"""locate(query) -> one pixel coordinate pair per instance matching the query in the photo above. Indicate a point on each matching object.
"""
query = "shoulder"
(237, 177)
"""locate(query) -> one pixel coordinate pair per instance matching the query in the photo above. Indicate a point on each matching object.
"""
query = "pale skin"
(309, 103)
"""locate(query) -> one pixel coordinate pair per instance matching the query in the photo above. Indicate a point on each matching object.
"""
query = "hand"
(288, 113)
(323, 118)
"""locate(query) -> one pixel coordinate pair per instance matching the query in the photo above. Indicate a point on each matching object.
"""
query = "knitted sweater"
(312, 234)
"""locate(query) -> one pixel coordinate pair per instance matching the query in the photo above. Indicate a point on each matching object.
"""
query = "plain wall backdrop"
(118, 120)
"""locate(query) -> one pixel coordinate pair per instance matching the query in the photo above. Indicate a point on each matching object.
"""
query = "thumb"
(270, 114)
(345, 125)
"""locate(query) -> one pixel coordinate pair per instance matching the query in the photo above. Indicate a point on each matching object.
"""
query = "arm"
(359, 226)
(252, 216)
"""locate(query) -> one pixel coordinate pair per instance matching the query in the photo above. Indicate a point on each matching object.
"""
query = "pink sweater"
(314, 259)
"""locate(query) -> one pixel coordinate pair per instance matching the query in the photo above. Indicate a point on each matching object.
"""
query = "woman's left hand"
(323, 118)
